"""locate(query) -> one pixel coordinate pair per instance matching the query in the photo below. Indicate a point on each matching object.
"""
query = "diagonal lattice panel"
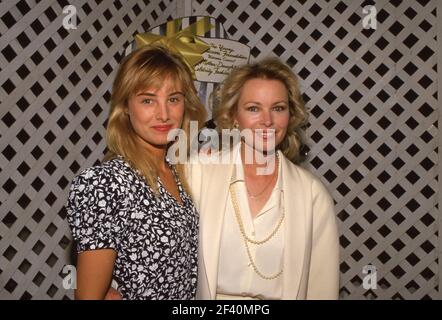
(373, 132)
(372, 136)
(54, 94)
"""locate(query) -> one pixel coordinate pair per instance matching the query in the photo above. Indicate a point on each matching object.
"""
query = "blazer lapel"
(214, 191)
(294, 230)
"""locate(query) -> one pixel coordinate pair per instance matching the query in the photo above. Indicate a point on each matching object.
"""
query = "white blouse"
(236, 276)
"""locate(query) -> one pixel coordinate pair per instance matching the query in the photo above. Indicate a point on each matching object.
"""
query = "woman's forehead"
(169, 84)
(263, 87)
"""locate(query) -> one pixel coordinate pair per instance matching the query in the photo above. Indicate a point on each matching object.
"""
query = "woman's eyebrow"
(154, 95)
(282, 101)
(146, 94)
(259, 103)
(176, 92)
(254, 102)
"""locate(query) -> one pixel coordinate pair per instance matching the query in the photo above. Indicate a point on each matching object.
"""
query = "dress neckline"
(182, 193)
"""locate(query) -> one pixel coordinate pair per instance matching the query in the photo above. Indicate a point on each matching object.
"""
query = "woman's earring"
(235, 125)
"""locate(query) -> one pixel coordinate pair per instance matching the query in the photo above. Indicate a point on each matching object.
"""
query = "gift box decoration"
(202, 42)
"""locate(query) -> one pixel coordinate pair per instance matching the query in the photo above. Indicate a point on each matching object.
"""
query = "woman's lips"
(162, 128)
(265, 134)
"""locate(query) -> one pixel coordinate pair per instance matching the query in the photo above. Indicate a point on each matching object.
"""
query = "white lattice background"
(373, 133)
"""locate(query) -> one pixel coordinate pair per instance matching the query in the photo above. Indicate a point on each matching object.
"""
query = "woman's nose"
(267, 118)
(162, 112)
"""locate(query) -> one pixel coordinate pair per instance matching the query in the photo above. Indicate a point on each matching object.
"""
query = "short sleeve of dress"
(96, 209)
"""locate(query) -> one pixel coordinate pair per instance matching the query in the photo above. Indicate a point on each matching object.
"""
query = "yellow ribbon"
(184, 42)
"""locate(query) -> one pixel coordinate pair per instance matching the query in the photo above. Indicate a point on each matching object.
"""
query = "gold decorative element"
(185, 42)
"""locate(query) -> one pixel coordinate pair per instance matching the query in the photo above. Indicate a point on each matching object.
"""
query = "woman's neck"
(256, 162)
(157, 153)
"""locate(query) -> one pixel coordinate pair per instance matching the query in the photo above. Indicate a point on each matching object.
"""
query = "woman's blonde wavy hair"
(148, 67)
(227, 96)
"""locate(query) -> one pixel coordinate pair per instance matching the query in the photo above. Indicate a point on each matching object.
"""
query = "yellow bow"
(184, 42)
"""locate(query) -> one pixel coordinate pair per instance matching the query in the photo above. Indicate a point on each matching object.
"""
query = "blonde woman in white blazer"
(263, 236)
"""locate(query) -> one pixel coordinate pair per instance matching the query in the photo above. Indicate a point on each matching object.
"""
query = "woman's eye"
(279, 108)
(174, 99)
(147, 101)
(252, 108)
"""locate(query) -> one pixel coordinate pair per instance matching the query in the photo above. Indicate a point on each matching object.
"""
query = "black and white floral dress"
(110, 206)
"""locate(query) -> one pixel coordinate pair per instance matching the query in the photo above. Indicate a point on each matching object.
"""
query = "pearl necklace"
(248, 239)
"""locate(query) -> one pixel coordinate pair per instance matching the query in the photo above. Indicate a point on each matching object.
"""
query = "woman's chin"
(262, 147)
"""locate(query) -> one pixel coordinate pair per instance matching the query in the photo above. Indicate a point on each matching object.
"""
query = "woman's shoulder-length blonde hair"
(148, 67)
(227, 97)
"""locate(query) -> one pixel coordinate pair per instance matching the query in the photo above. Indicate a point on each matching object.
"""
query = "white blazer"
(311, 248)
